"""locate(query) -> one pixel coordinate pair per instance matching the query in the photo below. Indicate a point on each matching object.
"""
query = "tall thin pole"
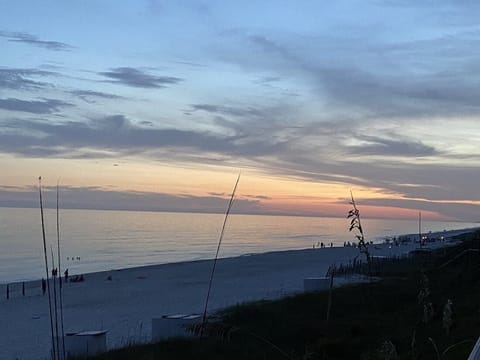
(46, 267)
(204, 319)
(60, 274)
(55, 302)
(420, 228)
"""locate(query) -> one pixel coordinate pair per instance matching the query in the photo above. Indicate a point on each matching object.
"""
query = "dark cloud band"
(26, 38)
(139, 78)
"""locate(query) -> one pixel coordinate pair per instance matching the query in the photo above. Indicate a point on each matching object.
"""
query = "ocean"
(97, 240)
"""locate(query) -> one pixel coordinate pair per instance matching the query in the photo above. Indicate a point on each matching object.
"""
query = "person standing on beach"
(66, 275)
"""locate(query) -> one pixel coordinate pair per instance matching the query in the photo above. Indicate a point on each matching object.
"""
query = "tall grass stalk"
(437, 353)
(420, 240)
(230, 204)
(57, 349)
(60, 274)
(46, 267)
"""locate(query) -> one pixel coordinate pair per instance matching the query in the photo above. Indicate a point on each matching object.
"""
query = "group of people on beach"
(354, 244)
(321, 245)
(76, 278)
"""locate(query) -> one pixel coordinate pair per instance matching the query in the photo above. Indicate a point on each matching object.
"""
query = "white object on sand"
(85, 343)
(169, 326)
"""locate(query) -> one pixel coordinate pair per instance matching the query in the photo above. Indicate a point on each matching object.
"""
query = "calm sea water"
(93, 240)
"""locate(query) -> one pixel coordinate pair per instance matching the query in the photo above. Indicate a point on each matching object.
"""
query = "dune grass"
(376, 320)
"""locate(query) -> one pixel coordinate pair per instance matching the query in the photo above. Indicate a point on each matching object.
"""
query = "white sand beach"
(125, 305)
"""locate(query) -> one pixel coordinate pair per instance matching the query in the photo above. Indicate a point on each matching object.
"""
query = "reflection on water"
(94, 240)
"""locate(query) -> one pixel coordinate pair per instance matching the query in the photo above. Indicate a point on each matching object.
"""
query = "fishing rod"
(46, 267)
(60, 274)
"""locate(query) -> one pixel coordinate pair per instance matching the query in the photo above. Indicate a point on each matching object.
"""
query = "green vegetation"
(403, 316)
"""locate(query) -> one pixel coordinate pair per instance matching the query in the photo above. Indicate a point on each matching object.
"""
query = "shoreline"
(100, 241)
(123, 301)
(446, 233)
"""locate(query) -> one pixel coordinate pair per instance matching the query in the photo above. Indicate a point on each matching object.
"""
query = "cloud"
(104, 199)
(89, 96)
(118, 134)
(267, 80)
(20, 79)
(366, 91)
(212, 193)
(313, 152)
(300, 153)
(318, 152)
(46, 106)
(139, 78)
(368, 77)
(405, 96)
(258, 197)
(253, 122)
(190, 64)
(33, 40)
(391, 147)
(453, 210)
(433, 181)
(229, 110)
(272, 47)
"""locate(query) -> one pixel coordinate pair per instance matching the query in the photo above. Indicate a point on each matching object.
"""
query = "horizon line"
(213, 212)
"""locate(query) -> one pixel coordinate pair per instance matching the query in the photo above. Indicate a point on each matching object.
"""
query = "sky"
(159, 105)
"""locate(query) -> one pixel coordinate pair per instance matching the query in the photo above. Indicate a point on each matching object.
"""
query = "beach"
(124, 301)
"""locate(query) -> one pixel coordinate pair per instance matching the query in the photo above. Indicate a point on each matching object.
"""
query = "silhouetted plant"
(447, 318)
(435, 347)
(356, 225)
(388, 351)
(424, 300)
